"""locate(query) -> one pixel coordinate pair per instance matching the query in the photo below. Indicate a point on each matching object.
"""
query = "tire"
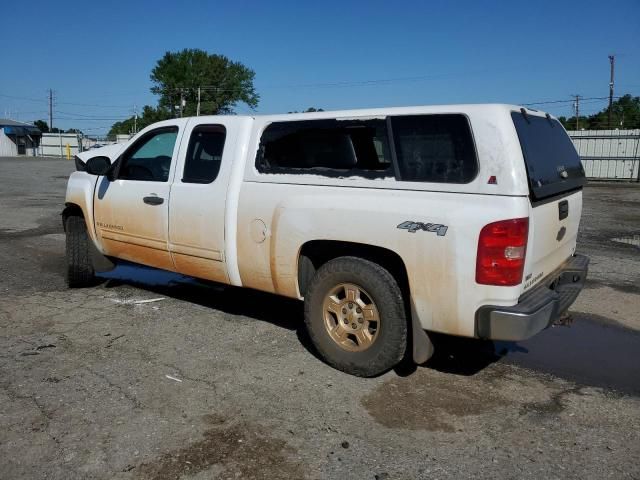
(344, 350)
(80, 272)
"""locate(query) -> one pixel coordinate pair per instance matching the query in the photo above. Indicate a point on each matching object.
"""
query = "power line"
(97, 119)
(374, 81)
(39, 112)
(548, 102)
(93, 105)
(218, 89)
(51, 101)
(83, 115)
(342, 83)
(41, 100)
(31, 99)
(348, 83)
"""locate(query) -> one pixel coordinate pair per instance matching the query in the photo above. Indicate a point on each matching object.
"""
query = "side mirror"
(98, 165)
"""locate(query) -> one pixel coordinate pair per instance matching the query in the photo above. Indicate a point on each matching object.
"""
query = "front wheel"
(355, 316)
(80, 271)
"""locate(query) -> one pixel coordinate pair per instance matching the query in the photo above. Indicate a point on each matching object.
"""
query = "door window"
(149, 159)
(204, 154)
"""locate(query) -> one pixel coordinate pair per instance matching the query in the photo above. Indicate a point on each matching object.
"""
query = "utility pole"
(198, 108)
(50, 110)
(181, 101)
(174, 107)
(612, 62)
(135, 119)
(576, 105)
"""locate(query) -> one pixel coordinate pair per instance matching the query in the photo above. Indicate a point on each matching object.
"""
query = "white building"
(60, 145)
(17, 138)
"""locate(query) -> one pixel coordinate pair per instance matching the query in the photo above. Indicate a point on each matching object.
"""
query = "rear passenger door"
(199, 196)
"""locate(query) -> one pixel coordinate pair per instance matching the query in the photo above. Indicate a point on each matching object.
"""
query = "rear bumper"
(536, 309)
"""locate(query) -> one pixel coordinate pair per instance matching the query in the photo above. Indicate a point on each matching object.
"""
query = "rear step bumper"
(536, 309)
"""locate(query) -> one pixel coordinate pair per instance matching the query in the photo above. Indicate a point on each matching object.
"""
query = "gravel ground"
(157, 377)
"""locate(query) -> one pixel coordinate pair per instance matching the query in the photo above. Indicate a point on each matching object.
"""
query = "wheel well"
(315, 253)
(70, 210)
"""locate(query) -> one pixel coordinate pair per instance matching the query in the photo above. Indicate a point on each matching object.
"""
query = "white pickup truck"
(389, 223)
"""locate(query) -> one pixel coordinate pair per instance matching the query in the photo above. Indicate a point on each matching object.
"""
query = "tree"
(223, 83)
(42, 126)
(308, 110)
(148, 116)
(625, 114)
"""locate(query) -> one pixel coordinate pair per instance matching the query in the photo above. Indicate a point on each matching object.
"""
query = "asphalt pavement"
(153, 375)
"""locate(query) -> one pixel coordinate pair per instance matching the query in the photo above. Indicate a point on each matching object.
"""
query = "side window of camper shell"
(331, 147)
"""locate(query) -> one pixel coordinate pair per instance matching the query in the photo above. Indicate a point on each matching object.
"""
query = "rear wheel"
(80, 272)
(355, 316)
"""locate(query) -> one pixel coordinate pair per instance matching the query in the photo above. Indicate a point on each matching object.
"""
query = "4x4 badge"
(413, 227)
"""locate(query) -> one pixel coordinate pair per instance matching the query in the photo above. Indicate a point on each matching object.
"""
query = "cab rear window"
(553, 165)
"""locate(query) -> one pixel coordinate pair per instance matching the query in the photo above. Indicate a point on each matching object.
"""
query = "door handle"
(563, 209)
(153, 200)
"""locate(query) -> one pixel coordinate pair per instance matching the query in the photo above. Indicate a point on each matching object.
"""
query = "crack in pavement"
(137, 405)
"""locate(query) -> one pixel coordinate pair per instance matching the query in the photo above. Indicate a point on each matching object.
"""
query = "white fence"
(70, 144)
(609, 154)
(59, 144)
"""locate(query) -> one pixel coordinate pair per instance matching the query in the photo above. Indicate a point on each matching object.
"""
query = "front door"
(131, 212)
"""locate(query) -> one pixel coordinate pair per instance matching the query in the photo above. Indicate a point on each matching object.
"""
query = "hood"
(110, 151)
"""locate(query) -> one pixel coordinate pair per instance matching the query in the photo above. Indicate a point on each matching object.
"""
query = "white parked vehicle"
(389, 223)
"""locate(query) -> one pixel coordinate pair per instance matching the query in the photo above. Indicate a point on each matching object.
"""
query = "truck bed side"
(440, 268)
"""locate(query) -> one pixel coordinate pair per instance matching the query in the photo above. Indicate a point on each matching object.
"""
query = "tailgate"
(556, 177)
(553, 230)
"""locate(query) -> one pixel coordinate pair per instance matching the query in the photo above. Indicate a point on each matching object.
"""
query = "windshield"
(553, 165)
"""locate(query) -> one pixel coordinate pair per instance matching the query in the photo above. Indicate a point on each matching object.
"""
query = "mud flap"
(422, 345)
(101, 264)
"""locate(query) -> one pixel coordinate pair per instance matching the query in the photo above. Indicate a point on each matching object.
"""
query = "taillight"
(501, 251)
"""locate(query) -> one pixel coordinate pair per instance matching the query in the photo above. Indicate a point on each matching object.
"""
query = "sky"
(327, 54)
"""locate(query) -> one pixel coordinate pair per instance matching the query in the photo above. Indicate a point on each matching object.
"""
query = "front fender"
(80, 190)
